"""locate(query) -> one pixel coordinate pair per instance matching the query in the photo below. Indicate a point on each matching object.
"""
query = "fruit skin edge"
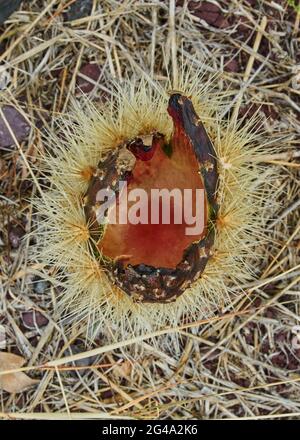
(154, 281)
(246, 200)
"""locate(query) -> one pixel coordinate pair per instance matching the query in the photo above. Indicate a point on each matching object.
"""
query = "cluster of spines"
(244, 194)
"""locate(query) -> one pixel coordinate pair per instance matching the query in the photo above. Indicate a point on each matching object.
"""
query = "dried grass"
(243, 365)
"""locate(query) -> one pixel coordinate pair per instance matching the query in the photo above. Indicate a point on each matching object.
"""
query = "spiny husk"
(245, 199)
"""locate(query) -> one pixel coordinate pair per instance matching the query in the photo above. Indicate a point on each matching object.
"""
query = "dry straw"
(238, 364)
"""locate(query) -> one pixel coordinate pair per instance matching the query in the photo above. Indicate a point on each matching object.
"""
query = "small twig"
(274, 259)
(250, 63)
(287, 211)
(286, 156)
(172, 30)
(153, 41)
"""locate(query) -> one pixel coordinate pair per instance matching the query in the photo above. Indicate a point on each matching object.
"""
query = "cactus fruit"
(144, 276)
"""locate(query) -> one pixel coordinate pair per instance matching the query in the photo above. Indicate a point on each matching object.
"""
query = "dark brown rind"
(162, 285)
(183, 113)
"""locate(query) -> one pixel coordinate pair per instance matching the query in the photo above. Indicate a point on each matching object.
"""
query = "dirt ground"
(243, 365)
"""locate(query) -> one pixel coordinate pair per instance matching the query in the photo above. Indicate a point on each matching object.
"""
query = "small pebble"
(79, 347)
(7, 8)
(18, 124)
(79, 9)
(209, 12)
(15, 235)
(90, 70)
(40, 286)
(33, 319)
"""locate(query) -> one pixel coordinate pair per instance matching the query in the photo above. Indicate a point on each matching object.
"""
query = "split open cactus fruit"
(133, 275)
(157, 262)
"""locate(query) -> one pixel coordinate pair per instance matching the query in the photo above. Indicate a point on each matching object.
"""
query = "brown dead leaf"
(13, 382)
(123, 370)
